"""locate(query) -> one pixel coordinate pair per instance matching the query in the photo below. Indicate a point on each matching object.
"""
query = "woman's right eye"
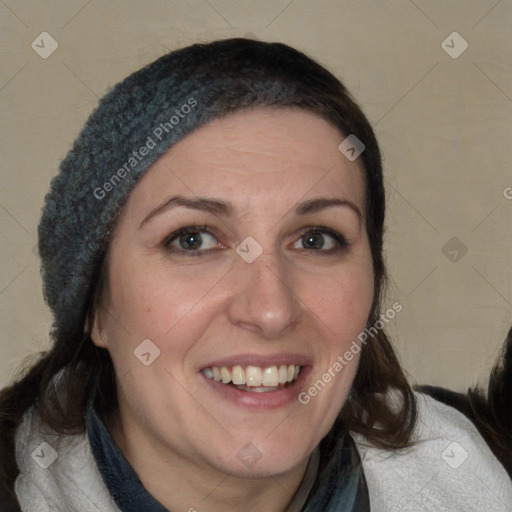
(191, 241)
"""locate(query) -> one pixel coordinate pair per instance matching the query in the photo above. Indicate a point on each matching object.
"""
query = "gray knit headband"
(133, 125)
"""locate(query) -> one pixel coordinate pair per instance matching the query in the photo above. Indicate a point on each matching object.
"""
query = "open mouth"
(254, 379)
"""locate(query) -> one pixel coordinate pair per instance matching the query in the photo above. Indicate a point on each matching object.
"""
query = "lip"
(268, 400)
(261, 360)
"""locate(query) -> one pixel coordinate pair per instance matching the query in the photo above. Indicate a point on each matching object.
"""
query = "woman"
(212, 254)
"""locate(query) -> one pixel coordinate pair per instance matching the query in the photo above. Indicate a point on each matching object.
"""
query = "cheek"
(156, 299)
(342, 300)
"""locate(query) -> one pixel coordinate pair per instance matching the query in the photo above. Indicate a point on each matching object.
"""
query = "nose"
(262, 300)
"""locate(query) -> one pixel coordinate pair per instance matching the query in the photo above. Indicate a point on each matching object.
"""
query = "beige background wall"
(444, 125)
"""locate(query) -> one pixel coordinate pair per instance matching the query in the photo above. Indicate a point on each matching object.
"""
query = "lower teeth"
(258, 389)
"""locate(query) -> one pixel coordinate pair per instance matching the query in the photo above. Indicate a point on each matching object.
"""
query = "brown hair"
(81, 364)
(491, 412)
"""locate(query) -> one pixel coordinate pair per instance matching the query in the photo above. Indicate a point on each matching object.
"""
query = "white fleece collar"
(451, 468)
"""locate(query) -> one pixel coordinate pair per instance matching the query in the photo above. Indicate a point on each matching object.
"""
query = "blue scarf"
(340, 485)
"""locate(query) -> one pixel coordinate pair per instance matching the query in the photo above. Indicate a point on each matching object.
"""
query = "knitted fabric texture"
(133, 125)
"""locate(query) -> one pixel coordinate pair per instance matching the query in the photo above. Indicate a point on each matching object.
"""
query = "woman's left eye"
(322, 240)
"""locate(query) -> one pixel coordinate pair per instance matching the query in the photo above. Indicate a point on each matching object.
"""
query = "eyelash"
(204, 228)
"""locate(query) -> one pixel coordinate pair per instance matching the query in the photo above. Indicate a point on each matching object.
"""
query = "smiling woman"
(233, 271)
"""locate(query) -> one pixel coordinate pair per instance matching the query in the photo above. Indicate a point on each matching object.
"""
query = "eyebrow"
(320, 203)
(204, 204)
(226, 209)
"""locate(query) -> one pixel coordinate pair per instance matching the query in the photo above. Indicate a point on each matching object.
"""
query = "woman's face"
(241, 255)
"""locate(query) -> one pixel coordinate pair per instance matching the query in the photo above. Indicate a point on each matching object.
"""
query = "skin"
(180, 435)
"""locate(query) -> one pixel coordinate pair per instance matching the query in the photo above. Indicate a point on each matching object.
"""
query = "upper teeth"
(254, 375)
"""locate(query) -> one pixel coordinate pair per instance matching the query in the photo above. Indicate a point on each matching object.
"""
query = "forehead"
(263, 155)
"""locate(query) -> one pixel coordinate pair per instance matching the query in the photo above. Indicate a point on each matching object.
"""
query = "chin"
(260, 455)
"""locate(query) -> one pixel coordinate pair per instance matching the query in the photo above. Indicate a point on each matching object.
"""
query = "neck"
(180, 483)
